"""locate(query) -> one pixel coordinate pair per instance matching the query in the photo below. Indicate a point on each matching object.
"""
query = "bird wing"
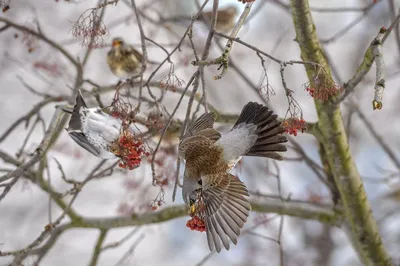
(199, 135)
(81, 139)
(135, 54)
(203, 126)
(193, 148)
(226, 208)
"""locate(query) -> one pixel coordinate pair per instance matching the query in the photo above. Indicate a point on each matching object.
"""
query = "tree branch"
(322, 213)
(357, 209)
(97, 248)
(48, 139)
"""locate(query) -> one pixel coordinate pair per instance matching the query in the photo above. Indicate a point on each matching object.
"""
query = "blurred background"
(345, 28)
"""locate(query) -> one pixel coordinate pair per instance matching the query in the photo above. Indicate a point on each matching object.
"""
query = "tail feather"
(264, 118)
(268, 147)
(268, 122)
(269, 129)
(271, 140)
(75, 121)
(80, 102)
(266, 154)
(248, 113)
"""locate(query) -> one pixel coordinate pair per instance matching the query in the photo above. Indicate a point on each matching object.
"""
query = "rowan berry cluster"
(322, 93)
(171, 81)
(132, 151)
(292, 125)
(91, 28)
(156, 119)
(196, 224)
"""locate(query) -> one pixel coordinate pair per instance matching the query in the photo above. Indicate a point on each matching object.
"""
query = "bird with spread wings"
(213, 195)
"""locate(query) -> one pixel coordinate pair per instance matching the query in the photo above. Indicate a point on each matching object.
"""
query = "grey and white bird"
(211, 193)
(93, 129)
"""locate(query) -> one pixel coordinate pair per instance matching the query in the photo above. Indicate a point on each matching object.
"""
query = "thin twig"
(144, 50)
(40, 151)
(167, 125)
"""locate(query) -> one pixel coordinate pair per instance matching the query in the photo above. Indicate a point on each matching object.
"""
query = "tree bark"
(357, 210)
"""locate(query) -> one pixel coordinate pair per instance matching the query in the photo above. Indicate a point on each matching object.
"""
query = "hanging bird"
(124, 60)
(209, 190)
(93, 129)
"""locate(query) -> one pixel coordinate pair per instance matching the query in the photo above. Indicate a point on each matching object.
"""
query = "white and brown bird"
(93, 129)
(209, 190)
(124, 60)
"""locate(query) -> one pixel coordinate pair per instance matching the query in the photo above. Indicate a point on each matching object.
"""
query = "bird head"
(191, 192)
(117, 42)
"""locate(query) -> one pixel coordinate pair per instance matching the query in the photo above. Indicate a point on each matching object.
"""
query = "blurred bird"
(208, 187)
(225, 18)
(171, 135)
(394, 194)
(124, 60)
(93, 129)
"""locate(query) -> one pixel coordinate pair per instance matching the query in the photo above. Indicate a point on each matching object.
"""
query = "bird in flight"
(124, 60)
(93, 129)
(212, 194)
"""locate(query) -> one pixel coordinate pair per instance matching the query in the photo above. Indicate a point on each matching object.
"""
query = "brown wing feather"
(203, 126)
(226, 209)
(199, 137)
(133, 52)
(192, 146)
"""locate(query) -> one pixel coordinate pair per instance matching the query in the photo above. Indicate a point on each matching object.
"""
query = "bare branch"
(367, 62)
(40, 151)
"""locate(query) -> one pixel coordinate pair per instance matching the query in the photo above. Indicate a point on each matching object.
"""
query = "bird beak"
(116, 43)
(192, 209)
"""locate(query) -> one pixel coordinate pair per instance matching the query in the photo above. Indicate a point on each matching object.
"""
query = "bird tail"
(80, 102)
(269, 131)
(75, 121)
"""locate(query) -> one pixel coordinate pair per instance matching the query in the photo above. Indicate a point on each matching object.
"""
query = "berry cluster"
(196, 224)
(91, 27)
(130, 150)
(5, 5)
(116, 114)
(31, 42)
(156, 204)
(292, 125)
(121, 108)
(171, 81)
(156, 119)
(322, 93)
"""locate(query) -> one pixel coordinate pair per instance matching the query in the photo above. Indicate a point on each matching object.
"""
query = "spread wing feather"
(226, 209)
